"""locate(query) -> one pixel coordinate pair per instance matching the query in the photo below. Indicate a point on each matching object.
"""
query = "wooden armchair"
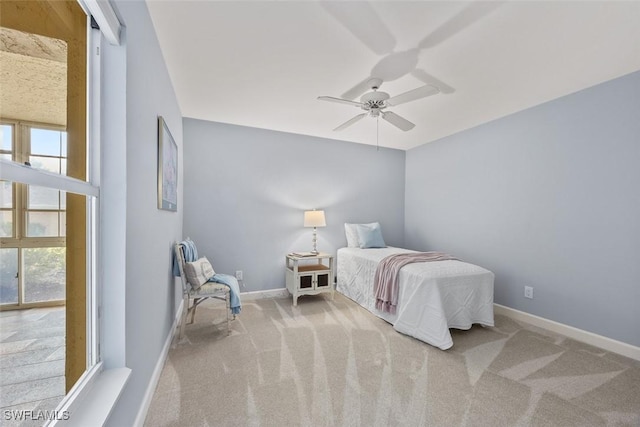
(192, 298)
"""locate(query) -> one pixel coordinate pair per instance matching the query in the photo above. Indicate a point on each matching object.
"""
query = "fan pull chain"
(377, 137)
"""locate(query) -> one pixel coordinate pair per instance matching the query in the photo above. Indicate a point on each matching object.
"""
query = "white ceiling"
(263, 64)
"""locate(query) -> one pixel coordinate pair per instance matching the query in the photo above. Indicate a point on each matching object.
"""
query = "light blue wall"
(152, 295)
(548, 197)
(246, 189)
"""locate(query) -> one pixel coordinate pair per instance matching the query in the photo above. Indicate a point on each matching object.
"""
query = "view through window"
(47, 203)
(33, 220)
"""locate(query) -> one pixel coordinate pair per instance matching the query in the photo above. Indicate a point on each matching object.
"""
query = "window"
(48, 215)
(33, 219)
(42, 193)
(6, 189)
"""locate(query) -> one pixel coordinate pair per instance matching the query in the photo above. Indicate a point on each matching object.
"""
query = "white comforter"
(434, 296)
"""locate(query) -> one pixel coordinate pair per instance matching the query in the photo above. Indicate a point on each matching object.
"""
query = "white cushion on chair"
(211, 288)
(198, 272)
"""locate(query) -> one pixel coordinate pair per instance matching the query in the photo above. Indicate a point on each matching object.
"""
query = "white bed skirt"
(433, 296)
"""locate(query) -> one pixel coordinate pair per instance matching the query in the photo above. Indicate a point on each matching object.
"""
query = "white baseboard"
(157, 371)
(596, 340)
(269, 293)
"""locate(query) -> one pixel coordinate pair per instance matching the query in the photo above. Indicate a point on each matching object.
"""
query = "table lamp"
(314, 219)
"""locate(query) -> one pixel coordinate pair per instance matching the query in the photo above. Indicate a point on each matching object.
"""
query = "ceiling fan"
(375, 102)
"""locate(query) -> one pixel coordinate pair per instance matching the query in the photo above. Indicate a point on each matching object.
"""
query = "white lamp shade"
(314, 219)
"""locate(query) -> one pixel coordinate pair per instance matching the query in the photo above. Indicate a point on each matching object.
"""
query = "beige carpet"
(332, 363)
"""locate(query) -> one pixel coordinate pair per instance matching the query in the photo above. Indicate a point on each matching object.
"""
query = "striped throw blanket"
(386, 281)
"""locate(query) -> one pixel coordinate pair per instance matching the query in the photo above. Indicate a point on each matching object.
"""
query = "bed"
(433, 296)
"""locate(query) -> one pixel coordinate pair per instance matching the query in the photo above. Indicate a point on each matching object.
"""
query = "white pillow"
(351, 231)
(198, 272)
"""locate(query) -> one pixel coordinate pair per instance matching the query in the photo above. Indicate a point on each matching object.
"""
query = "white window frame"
(13, 171)
(19, 173)
(91, 399)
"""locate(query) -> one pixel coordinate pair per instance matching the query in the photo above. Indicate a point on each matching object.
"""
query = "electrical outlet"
(528, 292)
(239, 274)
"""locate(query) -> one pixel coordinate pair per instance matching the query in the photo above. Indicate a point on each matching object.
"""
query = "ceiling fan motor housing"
(374, 99)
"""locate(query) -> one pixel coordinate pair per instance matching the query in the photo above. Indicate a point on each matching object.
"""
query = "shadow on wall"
(311, 197)
(292, 204)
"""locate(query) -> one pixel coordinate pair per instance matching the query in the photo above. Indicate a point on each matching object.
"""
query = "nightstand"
(309, 275)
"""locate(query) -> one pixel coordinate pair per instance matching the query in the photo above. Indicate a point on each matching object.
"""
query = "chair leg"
(185, 312)
(193, 310)
(228, 302)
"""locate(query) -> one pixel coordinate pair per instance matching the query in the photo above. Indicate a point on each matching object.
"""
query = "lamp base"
(314, 251)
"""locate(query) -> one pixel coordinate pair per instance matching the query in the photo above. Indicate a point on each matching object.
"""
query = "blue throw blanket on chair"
(191, 254)
(232, 283)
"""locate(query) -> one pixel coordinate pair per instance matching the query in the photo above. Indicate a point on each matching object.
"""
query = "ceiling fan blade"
(350, 122)
(340, 101)
(412, 95)
(361, 20)
(397, 121)
(457, 23)
(430, 80)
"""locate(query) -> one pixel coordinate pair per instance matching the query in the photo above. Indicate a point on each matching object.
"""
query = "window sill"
(90, 403)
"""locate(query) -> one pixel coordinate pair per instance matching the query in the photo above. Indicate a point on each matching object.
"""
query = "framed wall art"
(167, 168)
